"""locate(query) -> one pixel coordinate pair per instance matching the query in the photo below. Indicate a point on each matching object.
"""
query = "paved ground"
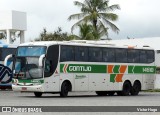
(10, 98)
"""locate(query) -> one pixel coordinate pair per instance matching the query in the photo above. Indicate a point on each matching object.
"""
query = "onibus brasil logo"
(5, 74)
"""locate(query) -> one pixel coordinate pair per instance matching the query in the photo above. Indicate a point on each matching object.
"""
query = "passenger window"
(143, 56)
(133, 56)
(121, 55)
(108, 55)
(81, 54)
(67, 53)
(150, 56)
(95, 54)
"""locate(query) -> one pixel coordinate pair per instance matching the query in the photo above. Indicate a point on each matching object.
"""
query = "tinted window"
(121, 55)
(143, 56)
(51, 60)
(150, 56)
(95, 54)
(108, 55)
(31, 51)
(6, 51)
(81, 54)
(67, 53)
(133, 56)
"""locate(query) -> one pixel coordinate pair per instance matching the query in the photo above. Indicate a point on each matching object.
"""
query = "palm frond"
(77, 16)
(113, 7)
(111, 25)
(109, 16)
(102, 29)
(79, 4)
(78, 23)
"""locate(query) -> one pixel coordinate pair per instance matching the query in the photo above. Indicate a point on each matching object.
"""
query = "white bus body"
(60, 67)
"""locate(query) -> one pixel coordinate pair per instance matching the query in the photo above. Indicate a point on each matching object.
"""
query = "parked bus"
(62, 67)
(5, 71)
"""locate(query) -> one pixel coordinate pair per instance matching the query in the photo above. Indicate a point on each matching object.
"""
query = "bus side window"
(143, 57)
(67, 53)
(121, 55)
(51, 60)
(150, 56)
(95, 54)
(108, 55)
(133, 56)
(81, 54)
(47, 66)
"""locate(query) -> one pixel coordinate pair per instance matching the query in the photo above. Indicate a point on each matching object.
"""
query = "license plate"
(24, 88)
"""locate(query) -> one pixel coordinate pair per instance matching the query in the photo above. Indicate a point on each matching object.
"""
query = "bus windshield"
(31, 51)
(27, 68)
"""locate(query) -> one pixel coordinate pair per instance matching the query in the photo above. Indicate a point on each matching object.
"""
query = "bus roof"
(82, 43)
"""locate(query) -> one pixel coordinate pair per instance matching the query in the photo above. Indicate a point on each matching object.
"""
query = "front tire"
(64, 89)
(38, 94)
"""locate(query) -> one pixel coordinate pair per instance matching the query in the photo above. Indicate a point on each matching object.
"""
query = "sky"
(137, 18)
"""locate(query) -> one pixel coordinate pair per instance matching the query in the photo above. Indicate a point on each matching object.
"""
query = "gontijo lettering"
(80, 68)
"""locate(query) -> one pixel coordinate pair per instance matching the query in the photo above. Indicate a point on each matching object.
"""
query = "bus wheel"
(136, 88)
(64, 89)
(110, 93)
(126, 88)
(38, 94)
(101, 93)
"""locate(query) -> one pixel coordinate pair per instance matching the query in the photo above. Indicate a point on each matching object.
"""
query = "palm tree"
(85, 32)
(96, 12)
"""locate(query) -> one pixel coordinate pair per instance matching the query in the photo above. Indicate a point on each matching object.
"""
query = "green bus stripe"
(90, 68)
(112, 77)
(116, 69)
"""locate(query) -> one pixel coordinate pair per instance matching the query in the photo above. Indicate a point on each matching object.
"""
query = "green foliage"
(88, 32)
(98, 13)
(57, 35)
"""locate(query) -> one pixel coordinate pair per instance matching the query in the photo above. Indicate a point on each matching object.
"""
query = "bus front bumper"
(35, 88)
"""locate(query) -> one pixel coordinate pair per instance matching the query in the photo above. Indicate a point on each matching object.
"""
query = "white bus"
(5, 71)
(62, 67)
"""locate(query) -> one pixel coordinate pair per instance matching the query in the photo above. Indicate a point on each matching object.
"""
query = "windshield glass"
(27, 68)
(31, 51)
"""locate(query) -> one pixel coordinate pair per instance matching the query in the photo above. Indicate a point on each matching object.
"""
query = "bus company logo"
(65, 68)
(116, 72)
(5, 74)
(76, 68)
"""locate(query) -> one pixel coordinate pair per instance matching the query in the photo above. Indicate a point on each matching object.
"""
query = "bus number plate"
(24, 88)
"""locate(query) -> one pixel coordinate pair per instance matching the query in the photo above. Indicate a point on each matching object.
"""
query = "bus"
(63, 67)
(5, 71)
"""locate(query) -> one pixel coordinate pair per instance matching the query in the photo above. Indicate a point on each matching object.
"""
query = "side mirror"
(7, 58)
(41, 60)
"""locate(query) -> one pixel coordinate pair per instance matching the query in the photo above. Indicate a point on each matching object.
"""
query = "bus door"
(51, 74)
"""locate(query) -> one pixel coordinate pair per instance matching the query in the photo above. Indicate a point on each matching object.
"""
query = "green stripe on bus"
(116, 69)
(30, 81)
(141, 69)
(82, 68)
(89, 68)
(112, 77)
